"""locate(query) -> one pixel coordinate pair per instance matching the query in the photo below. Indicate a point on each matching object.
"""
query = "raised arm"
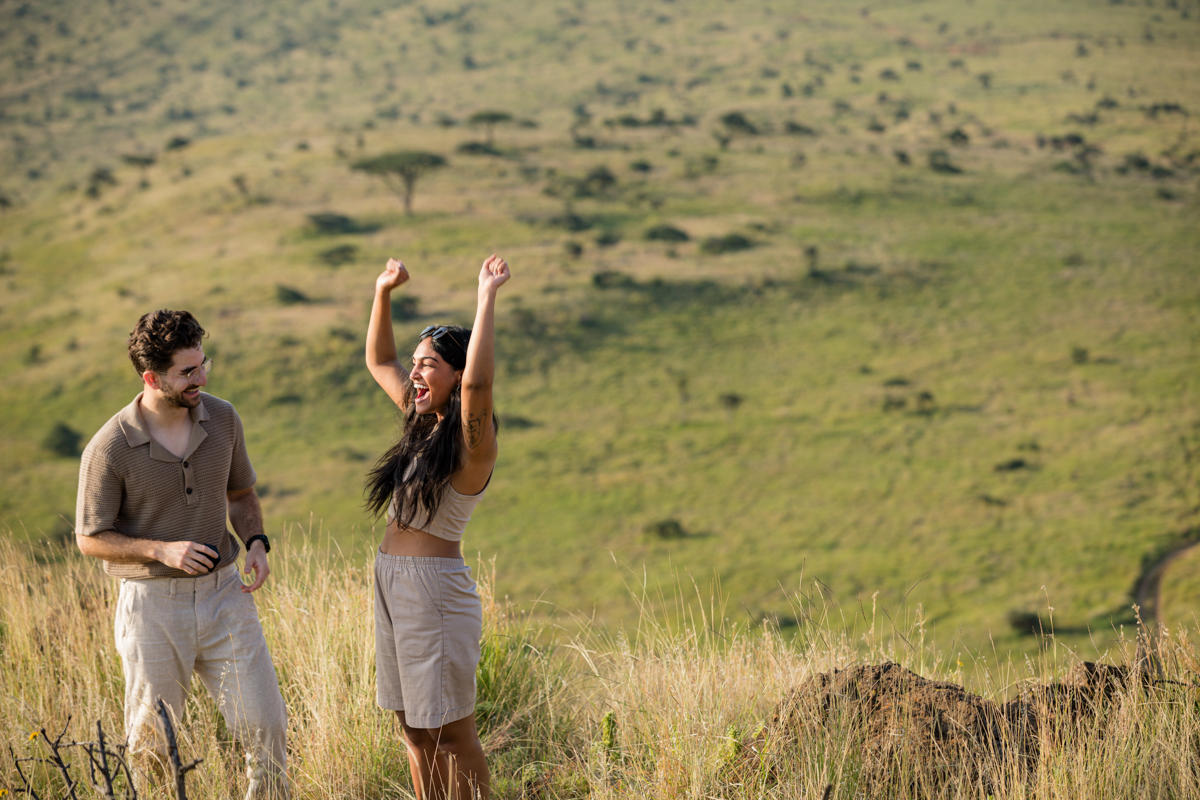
(382, 360)
(479, 429)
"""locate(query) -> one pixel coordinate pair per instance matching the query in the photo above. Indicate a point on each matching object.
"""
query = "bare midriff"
(400, 540)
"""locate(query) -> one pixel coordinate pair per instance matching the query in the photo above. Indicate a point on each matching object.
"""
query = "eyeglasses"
(436, 332)
(192, 372)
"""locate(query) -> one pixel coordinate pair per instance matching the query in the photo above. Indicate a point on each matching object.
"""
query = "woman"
(428, 618)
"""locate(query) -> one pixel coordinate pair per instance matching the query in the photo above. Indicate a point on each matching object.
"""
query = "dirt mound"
(926, 735)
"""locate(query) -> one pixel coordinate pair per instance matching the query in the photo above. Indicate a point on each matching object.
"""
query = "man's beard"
(176, 398)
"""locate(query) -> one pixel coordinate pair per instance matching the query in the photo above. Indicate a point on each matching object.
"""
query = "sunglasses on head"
(436, 332)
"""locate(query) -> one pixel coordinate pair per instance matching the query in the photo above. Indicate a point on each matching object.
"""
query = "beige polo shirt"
(131, 484)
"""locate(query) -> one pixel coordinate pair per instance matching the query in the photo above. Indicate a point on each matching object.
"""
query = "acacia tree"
(488, 120)
(400, 170)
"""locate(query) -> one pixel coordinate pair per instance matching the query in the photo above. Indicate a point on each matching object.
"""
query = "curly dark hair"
(418, 468)
(159, 335)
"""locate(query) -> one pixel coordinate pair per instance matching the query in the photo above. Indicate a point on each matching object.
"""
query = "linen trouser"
(168, 628)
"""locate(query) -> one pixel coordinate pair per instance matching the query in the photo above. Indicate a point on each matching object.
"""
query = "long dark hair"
(418, 468)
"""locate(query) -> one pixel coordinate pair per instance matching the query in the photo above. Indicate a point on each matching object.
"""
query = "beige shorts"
(428, 623)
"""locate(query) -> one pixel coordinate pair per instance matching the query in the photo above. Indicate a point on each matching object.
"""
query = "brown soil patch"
(929, 736)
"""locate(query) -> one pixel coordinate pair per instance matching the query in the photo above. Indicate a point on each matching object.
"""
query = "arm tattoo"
(475, 427)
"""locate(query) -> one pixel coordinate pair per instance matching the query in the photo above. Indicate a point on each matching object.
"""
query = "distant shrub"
(798, 129)
(608, 238)
(902, 157)
(1026, 623)
(705, 165)
(1079, 355)
(958, 137)
(926, 403)
(666, 233)
(98, 179)
(139, 160)
(406, 308)
(731, 401)
(641, 166)
(1012, 465)
(571, 221)
(289, 296)
(178, 143)
(729, 243)
(611, 279)
(477, 149)
(337, 256)
(939, 161)
(666, 529)
(599, 180)
(583, 142)
(736, 122)
(328, 223)
(1135, 161)
(63, 440)
(889, 75)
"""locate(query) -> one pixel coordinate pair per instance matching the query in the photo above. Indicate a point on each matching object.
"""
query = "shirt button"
(185, 464)
(189, 491)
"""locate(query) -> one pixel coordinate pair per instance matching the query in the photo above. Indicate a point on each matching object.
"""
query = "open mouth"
(422, 391)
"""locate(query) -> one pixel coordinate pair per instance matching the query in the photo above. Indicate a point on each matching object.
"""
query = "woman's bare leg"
(435, 754)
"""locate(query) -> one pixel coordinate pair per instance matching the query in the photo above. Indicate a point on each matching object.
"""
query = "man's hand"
(256, 564)
(191, 557)
(394, 274)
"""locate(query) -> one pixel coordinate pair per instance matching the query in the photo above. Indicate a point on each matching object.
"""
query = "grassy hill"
(931, 338)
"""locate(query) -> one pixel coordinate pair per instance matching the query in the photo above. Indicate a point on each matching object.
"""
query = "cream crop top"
(453, 514)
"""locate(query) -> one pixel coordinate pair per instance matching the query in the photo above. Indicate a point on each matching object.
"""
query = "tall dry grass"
(676, 708)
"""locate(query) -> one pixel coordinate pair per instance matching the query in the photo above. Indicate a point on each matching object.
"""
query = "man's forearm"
(245, 514)
(118, 548)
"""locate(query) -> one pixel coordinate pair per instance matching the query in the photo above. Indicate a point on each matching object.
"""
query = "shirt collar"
(133, 425)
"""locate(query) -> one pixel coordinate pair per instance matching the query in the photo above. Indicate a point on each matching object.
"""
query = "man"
(155, 485)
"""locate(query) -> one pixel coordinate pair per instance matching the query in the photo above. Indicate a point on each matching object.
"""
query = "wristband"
(256, 537)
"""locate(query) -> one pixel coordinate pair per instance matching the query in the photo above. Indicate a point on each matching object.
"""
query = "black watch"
(266, 542)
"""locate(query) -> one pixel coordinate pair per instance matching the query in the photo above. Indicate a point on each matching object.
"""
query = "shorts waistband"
(418, 561)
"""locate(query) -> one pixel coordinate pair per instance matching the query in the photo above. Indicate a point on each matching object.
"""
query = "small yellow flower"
(33, 736)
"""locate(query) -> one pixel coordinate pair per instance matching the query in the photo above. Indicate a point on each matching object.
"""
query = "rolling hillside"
(894, 303)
